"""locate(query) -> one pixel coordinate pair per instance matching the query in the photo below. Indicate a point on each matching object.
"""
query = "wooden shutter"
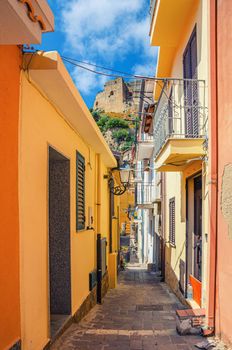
(172, 221)
(195, 99)
(190, 87)
(80, 192)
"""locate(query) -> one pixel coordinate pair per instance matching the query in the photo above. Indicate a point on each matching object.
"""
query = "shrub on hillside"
(117, 123)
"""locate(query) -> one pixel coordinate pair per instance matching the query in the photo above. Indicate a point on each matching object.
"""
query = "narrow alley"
(138, 315)
(116, 177)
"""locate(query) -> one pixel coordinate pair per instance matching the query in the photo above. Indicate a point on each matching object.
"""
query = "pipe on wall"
(110, 220)
(163, 211)
(211, 310)
(99, 182)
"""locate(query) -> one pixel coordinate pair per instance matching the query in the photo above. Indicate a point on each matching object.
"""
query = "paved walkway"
(138, 315)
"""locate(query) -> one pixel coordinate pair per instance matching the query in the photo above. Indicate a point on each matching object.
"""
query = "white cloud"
(87, 81)
(106, 31)
(146, 69)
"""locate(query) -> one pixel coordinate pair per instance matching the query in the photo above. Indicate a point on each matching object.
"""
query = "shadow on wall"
(170, 276)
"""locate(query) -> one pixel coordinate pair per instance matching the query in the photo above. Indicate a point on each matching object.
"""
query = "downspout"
(211, 311)
(110, 221)
(99, 181)
(187, 239)
(163, 212)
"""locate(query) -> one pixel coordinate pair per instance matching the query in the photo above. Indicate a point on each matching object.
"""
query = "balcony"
(180, 124)
(156, 192)
(169, 19)
(145, 192)
(145, 147)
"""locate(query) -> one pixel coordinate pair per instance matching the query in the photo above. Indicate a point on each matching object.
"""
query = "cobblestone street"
(138, 315)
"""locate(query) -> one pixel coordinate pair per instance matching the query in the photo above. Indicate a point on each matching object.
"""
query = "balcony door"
(191, 87)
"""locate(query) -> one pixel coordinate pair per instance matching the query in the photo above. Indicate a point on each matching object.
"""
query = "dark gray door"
(59, 234)
(198, 227)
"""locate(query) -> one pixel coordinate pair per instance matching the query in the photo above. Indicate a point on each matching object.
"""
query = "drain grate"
(149, 307)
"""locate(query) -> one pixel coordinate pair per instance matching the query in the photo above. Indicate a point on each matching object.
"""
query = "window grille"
(80, 192)
(172, 222)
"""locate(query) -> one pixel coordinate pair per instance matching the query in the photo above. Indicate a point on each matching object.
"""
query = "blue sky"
(105, 32)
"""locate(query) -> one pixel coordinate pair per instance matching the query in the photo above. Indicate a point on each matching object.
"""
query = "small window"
(172, 222)
(97, 103)
(111, 93)
(80, 192)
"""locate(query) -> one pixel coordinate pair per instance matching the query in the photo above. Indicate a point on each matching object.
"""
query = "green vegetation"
(120, 132)
(122, 135)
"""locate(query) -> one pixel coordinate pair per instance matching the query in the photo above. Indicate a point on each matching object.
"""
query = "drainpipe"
(211, 311)
(110, 221)
(163, 212)
(187, 239)
(99, 181)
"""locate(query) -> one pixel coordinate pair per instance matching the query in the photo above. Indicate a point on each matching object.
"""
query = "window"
(80, 192)
(172, 221)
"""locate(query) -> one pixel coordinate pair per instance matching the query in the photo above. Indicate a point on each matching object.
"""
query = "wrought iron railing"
(145, 192)
(145, 138)
(181, 111)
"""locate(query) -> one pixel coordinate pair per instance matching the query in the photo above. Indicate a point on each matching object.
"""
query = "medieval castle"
(124, 97)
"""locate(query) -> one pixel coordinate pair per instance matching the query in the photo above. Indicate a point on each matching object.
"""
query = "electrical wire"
(97, 66)
(79, 63)
(125, 75)
(91, 70)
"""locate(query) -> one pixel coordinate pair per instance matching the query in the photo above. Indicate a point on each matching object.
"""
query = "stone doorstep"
(190, 313)
(59, 333)
(196, 319)
(84, 309)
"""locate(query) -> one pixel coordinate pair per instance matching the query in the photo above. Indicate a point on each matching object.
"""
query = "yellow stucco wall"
(42, 126)
(126, 200)
(176, 181)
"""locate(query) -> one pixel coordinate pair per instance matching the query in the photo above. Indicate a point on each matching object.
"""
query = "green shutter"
(80, 192)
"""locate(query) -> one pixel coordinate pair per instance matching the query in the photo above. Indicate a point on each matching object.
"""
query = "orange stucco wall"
(10, 60)
(224, 253)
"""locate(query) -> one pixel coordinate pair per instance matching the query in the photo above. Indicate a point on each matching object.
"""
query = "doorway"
(59, 241)
(194, 235)
(198, 228)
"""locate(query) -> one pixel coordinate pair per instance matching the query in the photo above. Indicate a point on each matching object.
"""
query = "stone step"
(190, 321)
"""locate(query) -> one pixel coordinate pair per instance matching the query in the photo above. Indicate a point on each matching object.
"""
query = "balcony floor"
(176, 154)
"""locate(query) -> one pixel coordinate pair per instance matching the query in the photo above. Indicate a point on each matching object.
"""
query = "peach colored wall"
(224, 268)
(175, 185)
(10, 61)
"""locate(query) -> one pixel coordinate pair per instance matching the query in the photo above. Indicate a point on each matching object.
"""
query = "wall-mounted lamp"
(124, 173)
